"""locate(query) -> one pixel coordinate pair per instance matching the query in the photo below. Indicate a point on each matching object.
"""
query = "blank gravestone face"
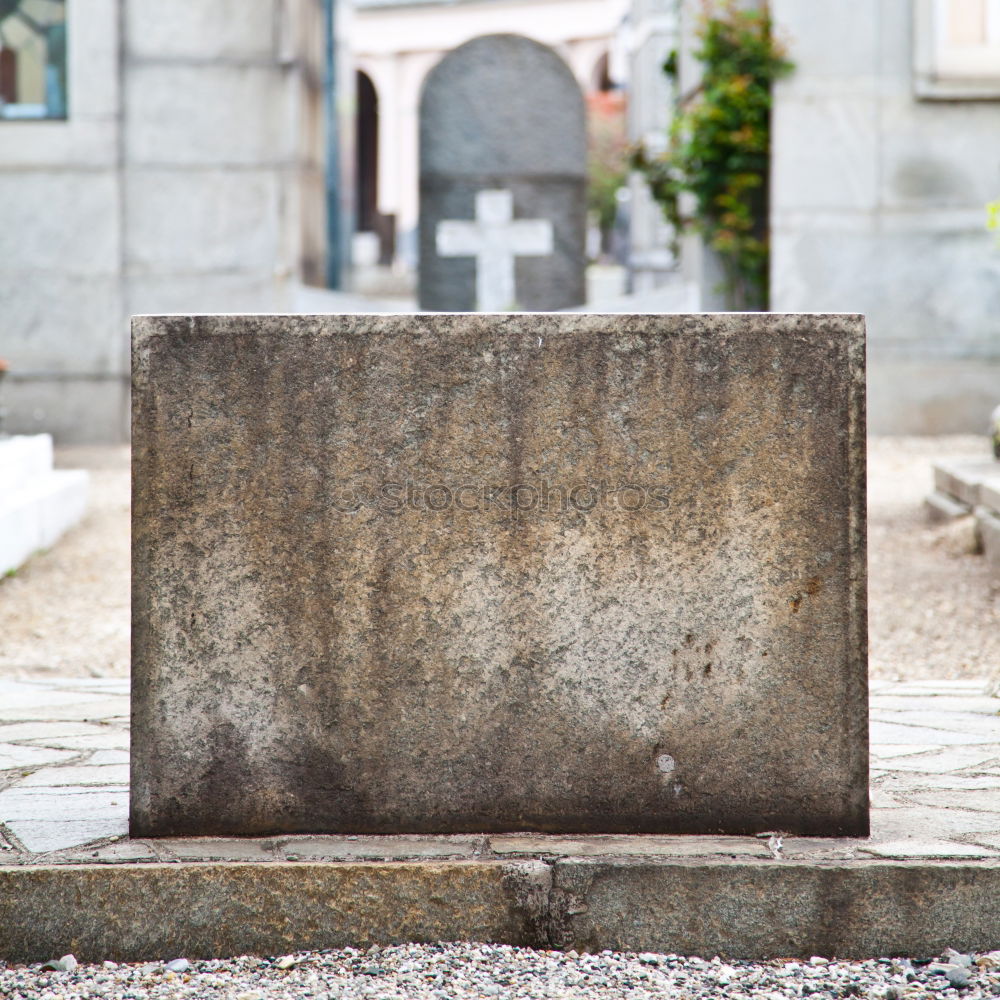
(502, 180)
(565, 573)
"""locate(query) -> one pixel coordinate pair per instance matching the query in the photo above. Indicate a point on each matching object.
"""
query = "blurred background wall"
(187, 175)
(224, 156)
(886, 149)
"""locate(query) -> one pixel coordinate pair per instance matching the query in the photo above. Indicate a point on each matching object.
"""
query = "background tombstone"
(502, 179)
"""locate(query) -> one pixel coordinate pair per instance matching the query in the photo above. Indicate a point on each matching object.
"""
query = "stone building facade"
(886, 149)
(187, 174)
(177, 158)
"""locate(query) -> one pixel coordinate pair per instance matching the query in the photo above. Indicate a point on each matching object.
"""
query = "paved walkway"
(935, 783)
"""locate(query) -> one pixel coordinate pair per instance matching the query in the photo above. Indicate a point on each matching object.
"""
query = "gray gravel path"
(447, 971)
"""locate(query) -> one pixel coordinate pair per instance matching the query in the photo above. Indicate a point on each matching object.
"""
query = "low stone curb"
(941, 508)
(749, 909)
(962, 482)
(988, 526)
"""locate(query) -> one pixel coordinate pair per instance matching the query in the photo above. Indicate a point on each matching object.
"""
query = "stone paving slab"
(84, 775)
(939, 760)
(14, 757)
(935, 756)
(981, 728)
(941, 688)
(31, 701)
(37, 503)
(923, 880)
(973, 705)
(902, 733)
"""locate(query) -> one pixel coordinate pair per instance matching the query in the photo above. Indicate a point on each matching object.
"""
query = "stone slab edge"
(988, 529)
(773, 910)
(962, 481)
(942, 508)
(736, 909)
(37, 513)
(100, 912)
(989, 494)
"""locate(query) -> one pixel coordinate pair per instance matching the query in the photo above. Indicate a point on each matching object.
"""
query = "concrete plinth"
(37, 503)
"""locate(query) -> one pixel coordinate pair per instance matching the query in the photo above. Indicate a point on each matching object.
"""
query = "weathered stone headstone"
(502, 179)
(570, 573)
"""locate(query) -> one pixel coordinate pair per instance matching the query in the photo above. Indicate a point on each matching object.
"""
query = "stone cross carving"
(495, 239)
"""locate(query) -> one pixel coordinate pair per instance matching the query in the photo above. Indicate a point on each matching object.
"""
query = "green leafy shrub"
(719, 148)
(993, 216)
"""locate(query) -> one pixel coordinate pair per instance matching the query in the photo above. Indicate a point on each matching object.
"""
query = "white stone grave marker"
(495, 239)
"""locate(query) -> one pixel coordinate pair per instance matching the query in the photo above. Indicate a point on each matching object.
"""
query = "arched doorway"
(607, 166)
(368, 219)
(366, 207)
(600, 77)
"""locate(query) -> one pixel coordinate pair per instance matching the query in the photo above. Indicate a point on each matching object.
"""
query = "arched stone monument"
(502, 179)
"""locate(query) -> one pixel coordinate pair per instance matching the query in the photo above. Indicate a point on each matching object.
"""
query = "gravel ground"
(66, 611)
(446, 971)
(934, 612)
(933, 608)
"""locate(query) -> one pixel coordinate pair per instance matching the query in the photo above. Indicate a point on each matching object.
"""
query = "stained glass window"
(32, 59)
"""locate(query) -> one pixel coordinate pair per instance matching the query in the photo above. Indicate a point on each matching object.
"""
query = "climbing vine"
(607, 158)
(993, 217)
(719, 147)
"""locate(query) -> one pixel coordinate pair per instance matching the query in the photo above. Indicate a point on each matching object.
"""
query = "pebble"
(67, 963)
(957, 976)
(957, 958)
(474, 971)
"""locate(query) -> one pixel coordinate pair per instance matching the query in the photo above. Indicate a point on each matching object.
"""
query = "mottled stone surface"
(503, 112)
(209, 910)
(571, 573)
(707, 906)
(762, 910)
